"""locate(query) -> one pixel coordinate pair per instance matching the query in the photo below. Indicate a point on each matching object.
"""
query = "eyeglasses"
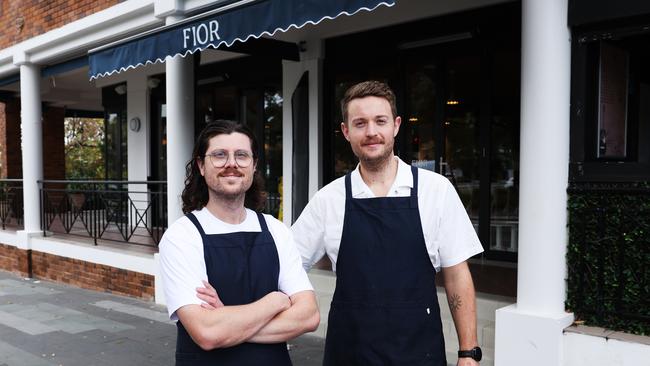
(219, 158)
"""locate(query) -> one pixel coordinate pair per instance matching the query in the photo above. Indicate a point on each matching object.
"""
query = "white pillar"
(291, 73)
(314, 63)
(180, 129)
(32, 144)
(530, 332)
(311, 61)
(137, 103)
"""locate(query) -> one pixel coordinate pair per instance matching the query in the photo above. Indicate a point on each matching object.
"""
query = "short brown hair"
(370, 88)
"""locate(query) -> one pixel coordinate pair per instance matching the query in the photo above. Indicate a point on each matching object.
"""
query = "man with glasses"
(224, 247)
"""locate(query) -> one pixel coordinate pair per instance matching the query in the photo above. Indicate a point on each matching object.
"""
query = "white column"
(137, 102)
(32, 144)
(311, 61)
(314, 63)
(180, 129)
(530, 332)
(291, 72)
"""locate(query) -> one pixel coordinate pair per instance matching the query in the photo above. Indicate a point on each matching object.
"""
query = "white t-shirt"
(448, 232)
(183, 265)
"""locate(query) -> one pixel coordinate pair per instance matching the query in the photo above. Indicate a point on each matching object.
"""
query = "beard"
(229, 192)
(378, 160)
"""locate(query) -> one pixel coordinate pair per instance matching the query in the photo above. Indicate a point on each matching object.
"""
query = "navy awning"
(221, 27)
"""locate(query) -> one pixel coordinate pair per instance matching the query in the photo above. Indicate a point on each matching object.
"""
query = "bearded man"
(388, 228)
(260, 295)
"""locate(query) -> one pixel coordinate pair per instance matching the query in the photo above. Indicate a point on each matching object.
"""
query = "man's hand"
(209, 295)
(467, 361)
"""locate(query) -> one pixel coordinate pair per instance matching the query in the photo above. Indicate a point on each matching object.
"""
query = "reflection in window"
(618, 112)
(116, 146)
(273, 151)
(504, 161)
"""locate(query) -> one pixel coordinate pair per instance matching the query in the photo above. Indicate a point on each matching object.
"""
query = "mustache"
(372, 141)
(230, 171)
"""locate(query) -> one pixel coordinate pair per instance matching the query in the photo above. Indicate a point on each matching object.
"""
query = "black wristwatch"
(475, 353)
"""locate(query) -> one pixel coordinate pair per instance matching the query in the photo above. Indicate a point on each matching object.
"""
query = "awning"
(221, 27)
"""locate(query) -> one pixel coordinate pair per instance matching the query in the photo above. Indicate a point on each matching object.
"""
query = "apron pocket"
(414, 335)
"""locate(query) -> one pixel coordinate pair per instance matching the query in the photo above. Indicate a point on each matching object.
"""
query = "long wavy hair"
(195, 194)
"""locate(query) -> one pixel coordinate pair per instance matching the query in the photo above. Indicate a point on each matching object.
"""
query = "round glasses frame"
(220, 158)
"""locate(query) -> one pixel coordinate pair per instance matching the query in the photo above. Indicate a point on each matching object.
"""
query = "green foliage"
(608, 256)
(84, 148)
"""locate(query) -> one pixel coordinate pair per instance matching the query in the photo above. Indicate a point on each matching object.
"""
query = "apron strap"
(262, 220)
(196, 223)
(414, 190)
(348, 188)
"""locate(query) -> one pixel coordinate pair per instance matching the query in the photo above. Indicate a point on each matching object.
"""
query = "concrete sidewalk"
(49, 324)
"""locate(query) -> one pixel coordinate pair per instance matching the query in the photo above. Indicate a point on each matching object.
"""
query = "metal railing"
(608, 254)
(11, 203)
(127, 211)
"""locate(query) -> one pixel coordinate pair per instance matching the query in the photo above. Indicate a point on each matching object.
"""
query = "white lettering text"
(201, 34)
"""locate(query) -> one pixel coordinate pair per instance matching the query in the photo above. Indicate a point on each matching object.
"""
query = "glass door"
(440, 130)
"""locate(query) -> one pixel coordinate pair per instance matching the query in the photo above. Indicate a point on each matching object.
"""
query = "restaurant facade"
(498, 96)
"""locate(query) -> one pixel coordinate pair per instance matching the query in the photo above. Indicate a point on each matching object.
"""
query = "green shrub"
(608, 256)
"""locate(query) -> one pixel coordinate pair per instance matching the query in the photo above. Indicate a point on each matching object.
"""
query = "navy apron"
(243, 267)
(385, 306)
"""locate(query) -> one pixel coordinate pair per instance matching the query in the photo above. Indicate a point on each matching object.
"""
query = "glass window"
(273, 150)
(460, 129)
(504, 155)
(114, 101)
(619, 113)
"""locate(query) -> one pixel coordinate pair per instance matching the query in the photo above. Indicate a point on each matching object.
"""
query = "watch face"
(475, 353)
(478, 354)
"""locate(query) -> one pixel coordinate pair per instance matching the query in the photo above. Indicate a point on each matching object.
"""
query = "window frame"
(584, 164)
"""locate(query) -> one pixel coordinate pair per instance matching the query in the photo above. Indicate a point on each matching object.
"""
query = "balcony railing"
(11, 203)
(126, 211)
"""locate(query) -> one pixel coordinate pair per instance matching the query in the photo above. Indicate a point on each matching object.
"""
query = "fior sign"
(201, 34)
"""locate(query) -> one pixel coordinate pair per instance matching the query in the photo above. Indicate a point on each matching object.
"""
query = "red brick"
(42, 16)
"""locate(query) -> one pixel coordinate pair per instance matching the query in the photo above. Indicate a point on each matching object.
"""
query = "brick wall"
(14, 260)
(24, 19)
(76, 272)
(53, 143)
(92, 276)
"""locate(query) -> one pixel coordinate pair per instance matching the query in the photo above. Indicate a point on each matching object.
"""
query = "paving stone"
(10, 356)
(89, 328)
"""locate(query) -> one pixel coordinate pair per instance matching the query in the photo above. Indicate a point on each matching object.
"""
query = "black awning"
(221, 28)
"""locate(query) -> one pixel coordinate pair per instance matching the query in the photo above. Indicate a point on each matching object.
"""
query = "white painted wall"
(588, 350)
